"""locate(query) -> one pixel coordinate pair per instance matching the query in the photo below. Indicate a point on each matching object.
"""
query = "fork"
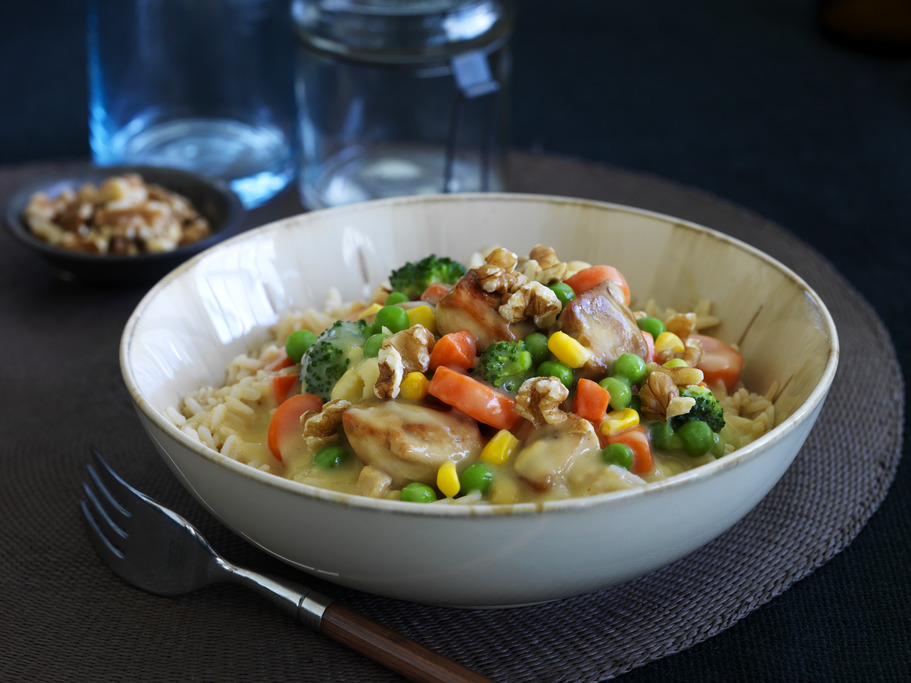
(157, 550)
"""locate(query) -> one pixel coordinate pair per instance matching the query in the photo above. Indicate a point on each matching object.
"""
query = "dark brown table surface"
(746, 102)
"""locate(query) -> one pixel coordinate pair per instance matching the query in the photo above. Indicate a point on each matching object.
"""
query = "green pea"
(330, 457)
(373, 344)
(651, 325)
(718, 446)
(631, 367)
(635, 403)
(662, 436)
(477, 477)
(416, 492)
(396, 298)
(554, 368)
(620, 393)
(696, 437)
(393, 318)
(563, 291)
(297, 343)
(618, 454)
(536, 343)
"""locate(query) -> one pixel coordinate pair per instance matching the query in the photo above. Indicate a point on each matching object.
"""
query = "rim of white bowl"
(735, 459)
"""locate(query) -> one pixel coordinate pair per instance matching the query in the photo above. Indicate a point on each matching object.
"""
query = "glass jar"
(399, 97)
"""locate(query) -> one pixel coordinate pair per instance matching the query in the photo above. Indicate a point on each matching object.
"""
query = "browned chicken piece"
(409, 441)
(468, 307)
(600, 321)
(551, 451)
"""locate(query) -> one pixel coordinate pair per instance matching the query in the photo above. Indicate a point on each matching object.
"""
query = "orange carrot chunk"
(587, 278)
(455, 350)
(475, 399)
(720, 362)
(286, 420)
(591, 400)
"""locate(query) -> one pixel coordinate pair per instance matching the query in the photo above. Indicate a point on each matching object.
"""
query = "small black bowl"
(212, 198)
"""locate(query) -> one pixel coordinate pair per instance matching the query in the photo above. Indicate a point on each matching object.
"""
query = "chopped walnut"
(123, 216)
(539, 399)
(681, 324)
(679, 405)
(404, 352)
(656, 394)
(682, 376)
(532, 301)
(373, 482)
(498, 275)
(321, 428)
(694, 351)
(542, 265)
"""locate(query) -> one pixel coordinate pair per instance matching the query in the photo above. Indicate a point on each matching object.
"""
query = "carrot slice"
(637, 439)
(720, 362)
(435, 292)
(280, 363)
(286, 420)
(282, 385)
(650, 345)
(475, 399)
(587, 278)
(456, 349)
(591, 400)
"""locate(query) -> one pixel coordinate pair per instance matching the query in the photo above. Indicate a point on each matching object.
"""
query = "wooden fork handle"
(391, 649)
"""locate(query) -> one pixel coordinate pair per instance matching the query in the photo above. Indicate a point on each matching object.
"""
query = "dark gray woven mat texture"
(62, 391)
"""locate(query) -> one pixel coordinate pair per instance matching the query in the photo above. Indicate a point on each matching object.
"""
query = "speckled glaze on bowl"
(212, 198)
(191, 324)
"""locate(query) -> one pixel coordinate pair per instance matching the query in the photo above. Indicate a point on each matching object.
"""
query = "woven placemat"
(66, 617)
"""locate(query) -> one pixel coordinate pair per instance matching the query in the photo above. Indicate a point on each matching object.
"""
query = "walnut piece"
(681, 324)
(656, 394)
(542, 265)
(694, 352)
(538, 401)
(498, 275)
(321, 428)
(123, 216)
(403, 352)
(679, 405)
(532, 301)
(682, 376)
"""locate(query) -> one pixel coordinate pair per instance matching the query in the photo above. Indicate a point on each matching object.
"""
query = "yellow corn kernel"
(568, 350)
(676, 363)
(499, 449)
(423, 315)
(668, 341)
(448, 479)
(370, 310)
(414, 386)
(618, 420)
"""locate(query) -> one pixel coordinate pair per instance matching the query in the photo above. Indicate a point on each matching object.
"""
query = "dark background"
(745, 100)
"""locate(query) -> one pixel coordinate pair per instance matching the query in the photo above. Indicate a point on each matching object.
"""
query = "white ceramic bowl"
(192, 323)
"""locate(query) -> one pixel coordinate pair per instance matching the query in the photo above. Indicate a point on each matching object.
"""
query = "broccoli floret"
(414, 277)
(504, 364)
(706, 409)
(327, 359)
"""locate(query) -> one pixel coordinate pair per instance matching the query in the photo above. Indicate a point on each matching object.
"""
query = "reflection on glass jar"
(400, 98)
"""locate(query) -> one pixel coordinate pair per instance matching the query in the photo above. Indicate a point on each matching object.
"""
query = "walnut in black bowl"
(122, 225)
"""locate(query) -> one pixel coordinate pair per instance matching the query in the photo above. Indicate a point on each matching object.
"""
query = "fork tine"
(109, 482)
(100, 542)
(99, 508)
